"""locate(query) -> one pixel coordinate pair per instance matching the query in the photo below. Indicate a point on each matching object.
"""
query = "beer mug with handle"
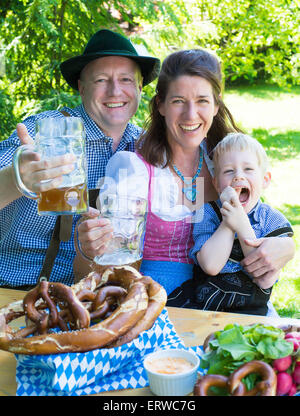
(128, 219)
(56, 137)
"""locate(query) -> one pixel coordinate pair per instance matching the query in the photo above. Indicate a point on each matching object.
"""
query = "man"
(109, 76)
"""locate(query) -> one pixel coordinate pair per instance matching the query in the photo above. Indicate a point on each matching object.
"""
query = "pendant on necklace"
(190, 193)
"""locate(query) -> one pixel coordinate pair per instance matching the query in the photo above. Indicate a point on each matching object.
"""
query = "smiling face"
(188, 109)
(110, 89)
(241, 171)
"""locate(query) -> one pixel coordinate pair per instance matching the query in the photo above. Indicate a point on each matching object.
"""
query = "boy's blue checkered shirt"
(262, 217)
(24, 235)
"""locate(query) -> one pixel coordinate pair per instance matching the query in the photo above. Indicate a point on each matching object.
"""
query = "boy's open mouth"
(243, 193)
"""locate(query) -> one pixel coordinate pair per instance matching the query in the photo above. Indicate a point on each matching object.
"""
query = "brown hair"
(153, 144)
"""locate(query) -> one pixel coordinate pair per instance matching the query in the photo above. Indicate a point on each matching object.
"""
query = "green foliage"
(8, 121)
(141, 116)
(259, 39)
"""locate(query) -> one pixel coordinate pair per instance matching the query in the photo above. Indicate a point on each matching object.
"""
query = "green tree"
(259, 39)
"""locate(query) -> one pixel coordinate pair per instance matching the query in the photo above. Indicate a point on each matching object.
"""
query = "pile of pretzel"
(102, 310)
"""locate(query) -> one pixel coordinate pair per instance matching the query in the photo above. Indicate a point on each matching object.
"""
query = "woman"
(188, 118)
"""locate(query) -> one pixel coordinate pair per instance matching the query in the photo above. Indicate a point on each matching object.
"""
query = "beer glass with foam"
(56, 137)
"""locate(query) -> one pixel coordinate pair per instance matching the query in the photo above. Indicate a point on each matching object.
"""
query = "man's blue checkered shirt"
(24, 235)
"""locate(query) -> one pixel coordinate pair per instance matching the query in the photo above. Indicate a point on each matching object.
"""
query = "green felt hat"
(108, 43)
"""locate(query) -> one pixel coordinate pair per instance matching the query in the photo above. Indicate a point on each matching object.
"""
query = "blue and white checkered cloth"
(24, 235)
(92, 372)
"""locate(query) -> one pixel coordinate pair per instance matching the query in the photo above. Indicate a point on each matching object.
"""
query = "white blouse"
(127, 175)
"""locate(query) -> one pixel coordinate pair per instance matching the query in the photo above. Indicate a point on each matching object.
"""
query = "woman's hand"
(94, 233)
(270, 256)
(34, 171)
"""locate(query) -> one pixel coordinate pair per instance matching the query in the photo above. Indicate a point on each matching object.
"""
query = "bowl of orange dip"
(172, 372)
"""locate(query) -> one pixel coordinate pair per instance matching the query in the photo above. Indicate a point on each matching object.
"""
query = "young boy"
(240, 175)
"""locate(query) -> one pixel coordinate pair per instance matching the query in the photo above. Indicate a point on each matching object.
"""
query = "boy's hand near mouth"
(235, 218)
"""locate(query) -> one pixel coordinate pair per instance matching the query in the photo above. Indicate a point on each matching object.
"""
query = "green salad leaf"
(274, 348)
(233, 341)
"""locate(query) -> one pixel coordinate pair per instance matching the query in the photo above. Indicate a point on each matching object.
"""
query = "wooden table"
(191, 325)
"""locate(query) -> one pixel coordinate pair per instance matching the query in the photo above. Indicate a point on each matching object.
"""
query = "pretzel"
(203, 385)
(207, 340)
(266, 387)
(122, 287)
(157, 300)
(234, 385)
(289, 328)
(105, 299)
(60, 292)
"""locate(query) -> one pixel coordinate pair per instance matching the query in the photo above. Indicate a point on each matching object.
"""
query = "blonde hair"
(240, 142)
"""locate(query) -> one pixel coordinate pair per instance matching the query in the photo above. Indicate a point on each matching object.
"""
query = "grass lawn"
(271, 115)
